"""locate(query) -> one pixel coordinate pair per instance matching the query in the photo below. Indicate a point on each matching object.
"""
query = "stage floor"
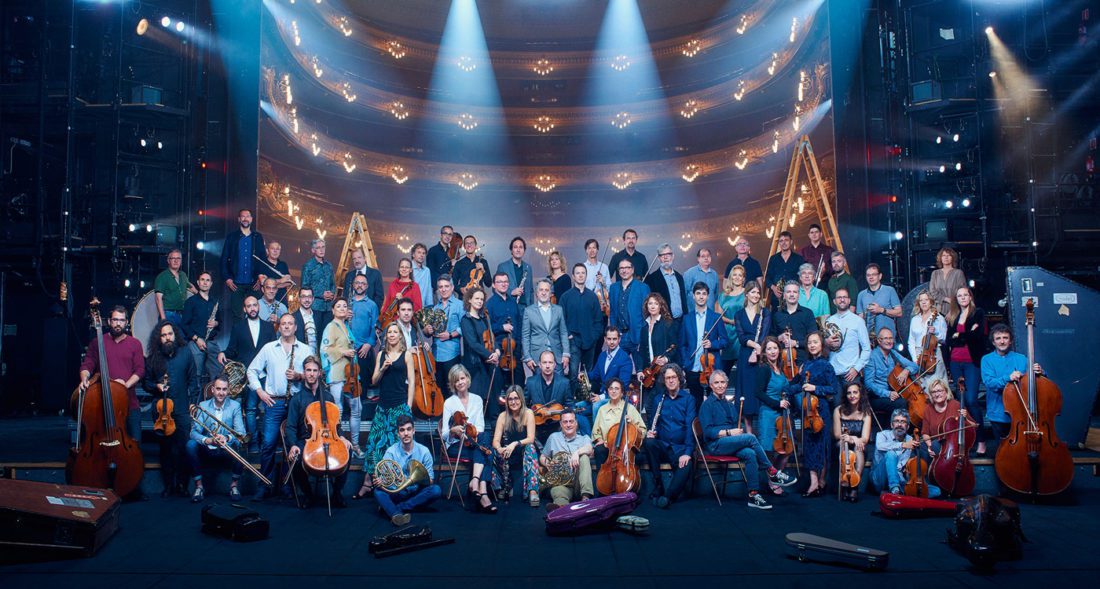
(159, 544)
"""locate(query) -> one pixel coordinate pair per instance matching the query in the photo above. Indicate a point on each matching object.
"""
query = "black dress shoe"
(338, 501)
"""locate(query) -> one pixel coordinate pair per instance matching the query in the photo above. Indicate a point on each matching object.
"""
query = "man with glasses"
(875, 376)
(878, 304)
(125, 364)
(438, 262)
(171, 287)
(626, 299)
(669, 437)
(852, 346)
(669, 283)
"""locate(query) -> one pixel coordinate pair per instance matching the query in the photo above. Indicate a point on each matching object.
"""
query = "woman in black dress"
(658, 335)
(393, 374)
(852, 424)
(478, 359)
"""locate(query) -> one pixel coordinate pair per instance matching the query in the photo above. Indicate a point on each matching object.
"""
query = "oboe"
(213, 315)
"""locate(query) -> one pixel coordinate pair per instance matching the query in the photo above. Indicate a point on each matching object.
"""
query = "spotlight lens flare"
(165, 22)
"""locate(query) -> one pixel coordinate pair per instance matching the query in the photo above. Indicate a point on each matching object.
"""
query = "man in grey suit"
(544, 329)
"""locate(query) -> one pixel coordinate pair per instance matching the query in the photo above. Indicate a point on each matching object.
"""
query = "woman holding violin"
(926, 330)
(772, 391)
(336, 351)
(404, 286)
(852, 428)
(480, 350)
(657, 340)
(751, 323)
(818, 384)
(966, 344)
(394, 377)
(514, 444)
(462, 430)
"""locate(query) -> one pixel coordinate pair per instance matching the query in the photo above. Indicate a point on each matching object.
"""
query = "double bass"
(105, 456)
(951, 467)
(1031, 459)
(910, 391)
(620, 473)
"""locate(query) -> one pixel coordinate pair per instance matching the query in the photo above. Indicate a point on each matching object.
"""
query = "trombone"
(213, 435)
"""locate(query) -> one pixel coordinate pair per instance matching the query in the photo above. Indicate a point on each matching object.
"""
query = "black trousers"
(658, 452)
(174, 469)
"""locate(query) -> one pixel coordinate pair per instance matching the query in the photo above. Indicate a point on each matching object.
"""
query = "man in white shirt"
(852, 347)
(702, 272)
(597, 270)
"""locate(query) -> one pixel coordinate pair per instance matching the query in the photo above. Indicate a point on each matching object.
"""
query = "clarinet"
(656, 414)
(213, 314)
(759, 328)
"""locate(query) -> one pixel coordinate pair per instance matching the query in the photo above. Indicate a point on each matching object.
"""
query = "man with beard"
(125, 364)
(782, 267)
(313, 389)
(669, 284)
(209, 440)
(841, 278)
(170, 374)
(245, 340)
(364, 316)
(629, 252)
(200, 327)
(893, 448)
(239, 268)
(359, 267)
(852, 347)
(310, 323)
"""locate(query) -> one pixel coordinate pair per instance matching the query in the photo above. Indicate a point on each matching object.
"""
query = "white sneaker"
(757, 501)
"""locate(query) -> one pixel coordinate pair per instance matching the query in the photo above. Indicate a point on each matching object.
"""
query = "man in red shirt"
(125, 364)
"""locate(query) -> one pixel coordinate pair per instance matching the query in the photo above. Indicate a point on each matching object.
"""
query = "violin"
(469, 432)
(649, 374)
(951, 467)
(452, 247)
(706, 363)
(164, 425)
(788, 359)
(508, 352)
(916, 469)
(390, 313)
(1031, 459)
(849, 474)
(547, 412)
(811, 413)
(784, 441)
(352, 384)
(427, 396)
(602, 294)
(105, 456)
(927, 359)
(911, 392)
(619, 474)
(325, 454)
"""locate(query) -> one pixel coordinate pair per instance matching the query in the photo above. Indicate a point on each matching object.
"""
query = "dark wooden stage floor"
(159, 545)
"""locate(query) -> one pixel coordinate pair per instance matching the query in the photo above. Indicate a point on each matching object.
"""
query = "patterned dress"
(815, 450)
(527, 460)
(392, 403)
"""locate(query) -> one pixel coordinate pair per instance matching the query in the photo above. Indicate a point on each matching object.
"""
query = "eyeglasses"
(672, 377)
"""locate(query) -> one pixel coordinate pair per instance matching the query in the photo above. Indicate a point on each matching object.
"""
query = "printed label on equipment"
(69, 502)
(1065, 298)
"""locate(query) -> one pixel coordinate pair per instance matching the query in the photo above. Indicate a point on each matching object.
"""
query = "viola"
(452, 247)
(477, 274)
(1031, 459)
(508, 352)
(911, 392)
(390, 313)
(619, 474)
(649, 374)
(927, 359)
(951, 467)
(325, 454)
(164, 425)
(784, 441)
(105, 456)
(811, 412)
(547, 412)
(605, 300)
(916, 471)
(849, 475)
(352, 386)
(788, 359)
(459, 418)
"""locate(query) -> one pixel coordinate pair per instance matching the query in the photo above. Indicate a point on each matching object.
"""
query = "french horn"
(558, 473)
(392, 479)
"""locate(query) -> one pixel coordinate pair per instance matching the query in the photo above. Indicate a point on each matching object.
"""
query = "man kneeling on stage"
(723, 436)
(578, 447)
(398, 505)
(297, 430)
(209, 438)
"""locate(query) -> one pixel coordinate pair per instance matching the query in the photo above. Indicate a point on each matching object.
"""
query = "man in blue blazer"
(209, 439)
(698, 335)
(613, 362)
(626, 299)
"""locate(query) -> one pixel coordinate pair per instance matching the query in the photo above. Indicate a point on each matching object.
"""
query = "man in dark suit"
(375, 291)
(245, 340)
(310, 324)
(698, 335)
(664, 281)
(583, 319)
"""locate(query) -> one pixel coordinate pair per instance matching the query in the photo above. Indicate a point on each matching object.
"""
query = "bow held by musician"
(298, 430)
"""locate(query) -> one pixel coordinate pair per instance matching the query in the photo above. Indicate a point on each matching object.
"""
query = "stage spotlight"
(939, 140)
(165, 22)
(142, 142)
(955, 137)
(950, 204)
(141, 284)
(958, 166)
(148, 228)
(900, 347)
(898, 235)
(993, 74)
(989, 30)
(133, 228)
(966, 203)
(142, 26)
(126, 283)
(180, 26)
(943, 168)
(972, 283)
(200, 245)
(160, 145)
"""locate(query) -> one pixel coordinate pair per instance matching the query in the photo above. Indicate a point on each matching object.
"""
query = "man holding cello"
(298, 430)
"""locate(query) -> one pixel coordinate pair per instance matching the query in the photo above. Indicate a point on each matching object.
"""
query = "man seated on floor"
(723, 437)
(893, 448)
(579, 449)
(208, 444)
(669, 437)
(398, 505)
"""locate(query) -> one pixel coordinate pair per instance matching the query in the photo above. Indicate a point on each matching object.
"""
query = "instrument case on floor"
(899, 506)
(234, 522)
(61, 518)
(579, 515)
(808, 547)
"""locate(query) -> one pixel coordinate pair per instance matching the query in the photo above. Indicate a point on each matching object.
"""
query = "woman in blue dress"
(818, 380)
(751, 324)
(773, 391)
(728, 304)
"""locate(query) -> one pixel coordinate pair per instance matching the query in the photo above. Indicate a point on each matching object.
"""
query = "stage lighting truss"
(543, 124)
(344, 26)
(396, 49)
(689, 109)
(691, 172)
(466, 63)
(622, 180)
(467, 181)
(467, 121)
(398, 110)
(545, 183)
(620, 63)
(542, 67)
(621, 120)
(692, 48)
(398, 174)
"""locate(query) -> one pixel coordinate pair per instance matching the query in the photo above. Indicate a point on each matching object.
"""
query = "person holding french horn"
(405, 477)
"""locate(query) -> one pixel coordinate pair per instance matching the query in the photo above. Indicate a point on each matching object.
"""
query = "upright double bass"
(1031, 459)
(105, 456)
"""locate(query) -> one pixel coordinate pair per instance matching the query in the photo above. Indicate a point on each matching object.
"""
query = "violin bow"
(454, 470)
(706, 335)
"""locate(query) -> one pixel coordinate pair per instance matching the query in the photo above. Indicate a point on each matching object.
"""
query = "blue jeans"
(407, 499)
(273, 418)
(747, 448)
(973, 378)
(886, 471)
(251, 407)
(197, 454)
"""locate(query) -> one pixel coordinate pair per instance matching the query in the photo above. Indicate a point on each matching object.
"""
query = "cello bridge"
(110, 443)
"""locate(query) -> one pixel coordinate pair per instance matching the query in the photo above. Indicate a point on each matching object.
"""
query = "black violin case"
(808, 547)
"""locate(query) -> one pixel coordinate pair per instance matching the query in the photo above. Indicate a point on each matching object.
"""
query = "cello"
(620, 473)
(427, 396)
(951, 467)
(927, 359)
(325, 454)
(910, 391)
(916, 469)
(1031, 459)
(105, 456)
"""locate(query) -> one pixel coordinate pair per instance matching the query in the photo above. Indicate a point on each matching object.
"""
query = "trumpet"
(195, 410)
(392, 479)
